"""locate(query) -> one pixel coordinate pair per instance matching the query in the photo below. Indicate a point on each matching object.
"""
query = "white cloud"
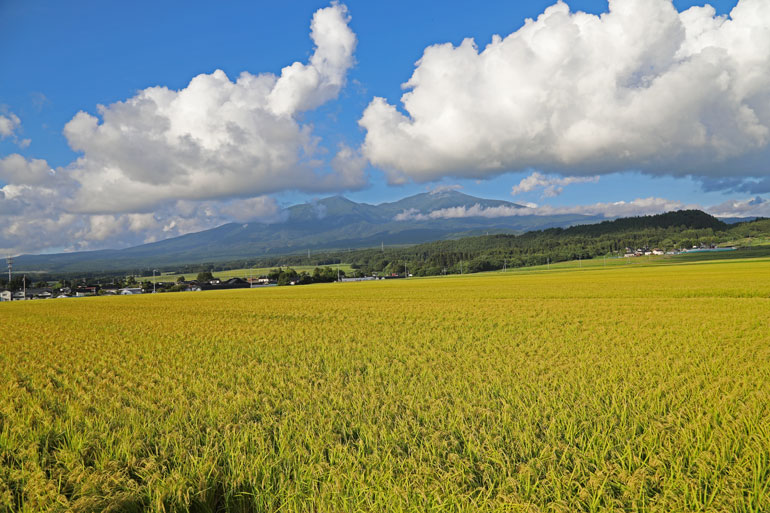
(216, 138)
(33, 218)
(640, 206)
(8, 125)
(552, 185)
(461, 212)
(752, 207)
(15, 169)
(642, 87)
(261, 209)
(439, 189)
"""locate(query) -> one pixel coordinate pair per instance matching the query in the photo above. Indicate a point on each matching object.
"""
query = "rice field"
(627, 388)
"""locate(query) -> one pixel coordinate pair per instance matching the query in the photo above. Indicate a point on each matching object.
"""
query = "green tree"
(204, 276)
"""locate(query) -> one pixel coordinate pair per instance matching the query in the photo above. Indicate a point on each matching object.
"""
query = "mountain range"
(330, 223)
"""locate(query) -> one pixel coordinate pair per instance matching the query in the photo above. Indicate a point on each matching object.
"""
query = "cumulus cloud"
(33, 219)
(164, 162)
(641, 87)
(216, 138)
(552, 185)
(751, 207)
(15, 169)
(640, 206)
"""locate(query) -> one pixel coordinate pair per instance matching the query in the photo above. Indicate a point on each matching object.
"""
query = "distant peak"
(446, 190)
(337, 198)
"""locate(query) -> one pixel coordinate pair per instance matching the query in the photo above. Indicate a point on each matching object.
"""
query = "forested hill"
(693, 219)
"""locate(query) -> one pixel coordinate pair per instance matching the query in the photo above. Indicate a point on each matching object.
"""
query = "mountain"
(331, 223)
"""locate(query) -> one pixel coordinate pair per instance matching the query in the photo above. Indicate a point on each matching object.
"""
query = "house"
(130, 291)
(262, 280)
(5, 295)
(85, 291)
(363, 278)
(232, 283)
(44, 293)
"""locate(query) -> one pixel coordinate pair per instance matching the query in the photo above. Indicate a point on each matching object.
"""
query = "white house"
(130, 291)
(5, 295)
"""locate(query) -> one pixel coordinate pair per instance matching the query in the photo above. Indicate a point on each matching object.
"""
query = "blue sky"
(58, 59)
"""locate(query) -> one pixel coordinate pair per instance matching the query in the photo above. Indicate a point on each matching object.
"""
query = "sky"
(128, 123)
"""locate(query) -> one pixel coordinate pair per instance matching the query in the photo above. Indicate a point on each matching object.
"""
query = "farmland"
(625, 388)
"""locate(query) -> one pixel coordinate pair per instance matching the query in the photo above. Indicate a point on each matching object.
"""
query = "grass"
(749, 255)
(240, 273)
(635, 388)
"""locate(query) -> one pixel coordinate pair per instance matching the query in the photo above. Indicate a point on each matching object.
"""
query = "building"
(86, 291)
(262, 280)
(5, 295)
(232, 283)
(130, 291)
(44, 293)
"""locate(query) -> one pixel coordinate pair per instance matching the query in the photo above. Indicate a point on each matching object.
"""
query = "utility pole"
(382, 246)
(24, 286)
(153, 280)
(10, 266)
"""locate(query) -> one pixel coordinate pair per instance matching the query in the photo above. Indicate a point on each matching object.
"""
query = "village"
(22, 289)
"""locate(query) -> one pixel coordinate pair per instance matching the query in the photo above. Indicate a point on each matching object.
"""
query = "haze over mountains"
(331, 223)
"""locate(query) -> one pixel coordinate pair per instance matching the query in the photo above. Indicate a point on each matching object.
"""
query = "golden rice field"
(623, 389)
